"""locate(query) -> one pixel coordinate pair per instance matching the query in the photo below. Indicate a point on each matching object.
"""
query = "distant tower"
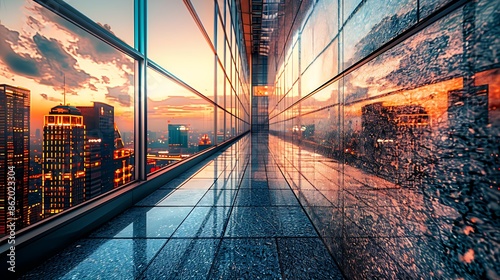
(178, 135)
(63, 156)
(123, 161)
(14, 154)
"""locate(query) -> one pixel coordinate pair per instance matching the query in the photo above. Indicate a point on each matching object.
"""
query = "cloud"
(120, 95)
(34, 23)
(21, 64)
(178, 106)
(50, 98)
(105, 80)
(85, 45)
(178, 100)
(53, 52)
(107, 27)
(60, 68)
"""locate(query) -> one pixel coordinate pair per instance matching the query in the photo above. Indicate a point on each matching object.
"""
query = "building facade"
(14, 157)
(63, 171)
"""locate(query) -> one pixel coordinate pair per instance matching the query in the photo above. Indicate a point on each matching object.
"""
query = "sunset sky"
(47, 55)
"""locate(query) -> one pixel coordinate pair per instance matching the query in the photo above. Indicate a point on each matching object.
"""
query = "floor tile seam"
(378, 237)
(280, 263)
(156, 255)
(318, 233)
(194, 237)
(267, 206)
(205, 220)
(139, 275)
(125, 238)
(281, 236)
(309, 218)
(226, 222)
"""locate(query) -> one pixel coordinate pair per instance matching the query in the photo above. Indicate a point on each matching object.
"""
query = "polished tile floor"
(232, 217)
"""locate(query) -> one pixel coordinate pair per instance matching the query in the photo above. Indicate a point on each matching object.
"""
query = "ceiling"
(258, 18)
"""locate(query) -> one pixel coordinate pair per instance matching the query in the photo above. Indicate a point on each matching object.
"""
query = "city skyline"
(62, 64)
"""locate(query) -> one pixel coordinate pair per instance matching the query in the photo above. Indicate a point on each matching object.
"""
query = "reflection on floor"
(233, 217)
(374, 228)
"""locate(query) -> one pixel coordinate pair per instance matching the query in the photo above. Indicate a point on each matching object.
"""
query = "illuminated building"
(63, 167)
(204, 142)
(178, 135)
(98, 120)
(122, 161)
(14, 153)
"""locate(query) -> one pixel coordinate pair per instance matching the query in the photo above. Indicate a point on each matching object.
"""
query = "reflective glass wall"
(385, 119)
(93, 99)
(198, 88)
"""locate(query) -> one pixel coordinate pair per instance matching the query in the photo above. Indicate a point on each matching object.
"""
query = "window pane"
(116, 16)
(373, 24)
(176, 43)
(72, 96)
(180, 123)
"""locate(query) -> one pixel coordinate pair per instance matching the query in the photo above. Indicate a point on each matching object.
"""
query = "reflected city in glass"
(404, 147)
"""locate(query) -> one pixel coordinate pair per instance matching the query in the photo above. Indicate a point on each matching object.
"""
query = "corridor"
(232, 217)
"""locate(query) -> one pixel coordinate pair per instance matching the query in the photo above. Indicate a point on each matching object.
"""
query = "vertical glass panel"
(228, 131)
(307, 46)
(326, 97)
(221, 86)
(120, 24)
(69, 119)
(220, 125)
(411, 151)
(373, 24)
(433, 55)
(176, 43)
(205, 11)
(221, 40)
(484, 53)
(321, 70)
(180, 123)
(325, 22)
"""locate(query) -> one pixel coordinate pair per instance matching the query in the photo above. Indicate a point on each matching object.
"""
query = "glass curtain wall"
(190, 93)
(385, 120)
(93, 99)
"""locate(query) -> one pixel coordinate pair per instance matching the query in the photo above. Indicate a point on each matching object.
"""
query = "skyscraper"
(14, 154)
(178, 135)
(63, 156)
(99, 124)
(123, 160)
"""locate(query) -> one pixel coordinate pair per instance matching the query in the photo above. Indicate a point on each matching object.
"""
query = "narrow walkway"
(233, 217)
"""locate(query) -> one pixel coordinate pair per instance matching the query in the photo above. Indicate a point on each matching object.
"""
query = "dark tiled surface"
(318, 266)
(247, 259)
(232, 217)
(183, 259)
(100, 259)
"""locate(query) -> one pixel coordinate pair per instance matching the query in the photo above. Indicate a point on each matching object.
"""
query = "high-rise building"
(123, 160)
(14, 156)
(63, 156)
(98, 120)
(178, 135)
(204, 142)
